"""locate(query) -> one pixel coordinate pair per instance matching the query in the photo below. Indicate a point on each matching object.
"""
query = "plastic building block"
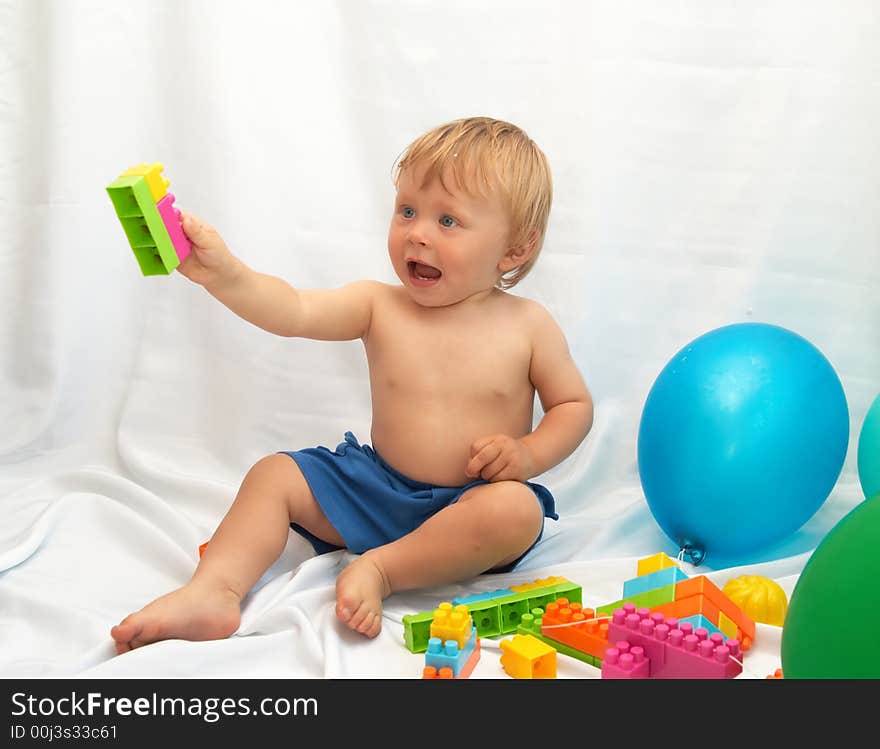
(727, 625)
(698, 621)
(703, 585)
(152, 174)
(546, 582)
(652, 581)
(452, 624)
(493, 614)
(675, 651)
(450, 654)
(624, 662)
(654, 563)
(431, 672)
(171, 218)
(501, 592)
(531, 623)
(417, 631)
(526, 657)
(151, 226)
(560, 623)
(486, 617)
(649, 599)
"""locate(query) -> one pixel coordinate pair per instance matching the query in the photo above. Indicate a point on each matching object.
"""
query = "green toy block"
(143, 226)
(487, 617)
(530, 624)
(648, 599)
(569, 590)
(493, 617)
(511, 609)
(417, 631)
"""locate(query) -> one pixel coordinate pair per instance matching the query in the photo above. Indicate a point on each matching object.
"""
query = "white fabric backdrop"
(714, 162)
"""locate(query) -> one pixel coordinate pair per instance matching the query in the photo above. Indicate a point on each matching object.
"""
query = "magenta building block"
(673, 649)
(625, 663)
(171, 218)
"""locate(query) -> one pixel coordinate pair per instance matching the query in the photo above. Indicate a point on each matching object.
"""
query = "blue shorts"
(370, 504)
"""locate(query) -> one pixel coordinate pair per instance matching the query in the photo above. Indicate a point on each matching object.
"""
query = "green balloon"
(830, 630)
(869, 450)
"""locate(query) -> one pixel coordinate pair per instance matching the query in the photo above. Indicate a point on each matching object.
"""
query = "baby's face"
(446, 246)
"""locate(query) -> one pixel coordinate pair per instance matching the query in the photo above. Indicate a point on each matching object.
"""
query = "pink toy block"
(675, 651)
(171, 218)
(624, 662)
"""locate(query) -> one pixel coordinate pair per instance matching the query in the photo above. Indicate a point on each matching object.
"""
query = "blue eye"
(448, 222)
(407, 212)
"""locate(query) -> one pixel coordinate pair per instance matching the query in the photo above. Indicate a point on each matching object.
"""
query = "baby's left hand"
(500, 458)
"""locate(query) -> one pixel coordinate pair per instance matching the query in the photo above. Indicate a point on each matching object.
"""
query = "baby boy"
(443, 493)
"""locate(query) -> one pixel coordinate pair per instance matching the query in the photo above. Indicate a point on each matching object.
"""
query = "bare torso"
(443, 377)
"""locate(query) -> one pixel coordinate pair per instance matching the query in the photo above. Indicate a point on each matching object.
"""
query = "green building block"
(648, 599)
(493, 617)
(143, 226)
(530, 624)
(487, 617)
(417, 631)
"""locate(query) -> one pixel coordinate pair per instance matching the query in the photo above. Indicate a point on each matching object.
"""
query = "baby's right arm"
(270, 302)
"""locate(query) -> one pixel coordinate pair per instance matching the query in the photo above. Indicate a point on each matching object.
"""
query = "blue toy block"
(482, 596)
(652, 581)
(448, 654)
(698, 620)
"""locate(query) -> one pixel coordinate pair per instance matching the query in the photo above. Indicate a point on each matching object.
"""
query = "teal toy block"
(698, 620)
(652, 581)
(649, 600)
(466, 600)
(417, 631)
(143, 225)
(448, 654)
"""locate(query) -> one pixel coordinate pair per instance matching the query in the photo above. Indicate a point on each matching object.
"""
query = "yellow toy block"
(152, 174)
(527, 657)
(452, 623)
(727, 625)
(545, 583)
(655, 563)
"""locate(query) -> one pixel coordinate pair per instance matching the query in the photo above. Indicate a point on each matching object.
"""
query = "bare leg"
(250, 538)
(491, 525)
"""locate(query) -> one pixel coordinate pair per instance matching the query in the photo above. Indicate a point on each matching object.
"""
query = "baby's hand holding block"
(151, 222)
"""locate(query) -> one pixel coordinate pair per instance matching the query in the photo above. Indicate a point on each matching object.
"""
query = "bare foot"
(360, 589)
(194, 612)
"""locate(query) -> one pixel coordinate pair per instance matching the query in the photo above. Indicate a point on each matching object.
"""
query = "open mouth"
(423, 274)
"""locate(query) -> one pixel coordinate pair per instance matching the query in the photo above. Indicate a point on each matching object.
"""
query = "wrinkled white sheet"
(713, 163)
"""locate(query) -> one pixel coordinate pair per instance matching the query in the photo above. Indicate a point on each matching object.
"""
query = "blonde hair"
(483, 154)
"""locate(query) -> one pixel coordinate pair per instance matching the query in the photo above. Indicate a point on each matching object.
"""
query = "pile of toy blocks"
(667, 625)
(453, 647)
(151, 222)
(496, 613)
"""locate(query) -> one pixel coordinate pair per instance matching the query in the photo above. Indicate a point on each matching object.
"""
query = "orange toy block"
(682, 607)
(590, 637)
(702, 585)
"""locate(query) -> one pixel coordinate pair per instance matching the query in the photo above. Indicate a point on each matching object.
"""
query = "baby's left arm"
(568, 412)
(568, 407)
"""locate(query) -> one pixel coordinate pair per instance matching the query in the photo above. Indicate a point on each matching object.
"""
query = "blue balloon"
(742, 438)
